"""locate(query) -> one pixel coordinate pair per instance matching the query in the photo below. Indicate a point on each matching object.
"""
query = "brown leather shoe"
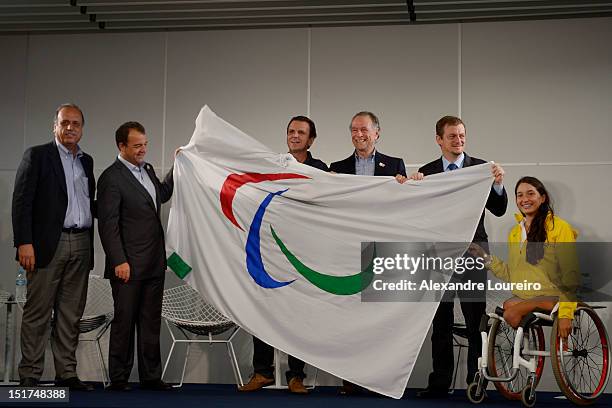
(257, 382)
(296, 386)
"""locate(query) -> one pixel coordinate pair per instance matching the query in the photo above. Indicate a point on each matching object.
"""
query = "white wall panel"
(539, 91)
(13, 85)
(256, 80)
(407, 76)
(113, 78)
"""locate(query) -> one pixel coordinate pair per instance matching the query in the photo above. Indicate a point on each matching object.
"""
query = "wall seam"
(308, 72)
(26, 90)
(459, 73)
(165, 85)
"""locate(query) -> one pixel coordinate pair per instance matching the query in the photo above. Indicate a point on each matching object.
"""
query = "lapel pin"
(381, 164)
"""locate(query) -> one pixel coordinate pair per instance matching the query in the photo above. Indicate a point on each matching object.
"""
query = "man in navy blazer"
(129, 203)
(366, 160)
(450, 136)
(53, 211)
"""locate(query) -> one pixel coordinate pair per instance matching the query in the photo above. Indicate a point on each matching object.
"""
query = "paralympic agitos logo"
(337, 285)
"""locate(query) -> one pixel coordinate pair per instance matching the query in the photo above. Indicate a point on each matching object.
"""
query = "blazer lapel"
(439, 166)
(149, 169)
(467, 160)
(56, 162)
(352, 164)
(128, 175)
(379, 165)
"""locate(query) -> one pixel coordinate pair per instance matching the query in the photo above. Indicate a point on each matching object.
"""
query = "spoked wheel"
(583, 369)
(473, 395)
(501, 344)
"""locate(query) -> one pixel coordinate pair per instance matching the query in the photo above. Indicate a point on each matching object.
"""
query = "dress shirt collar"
(370, 157)
(458, 162)
(63, 150)
(130, 166)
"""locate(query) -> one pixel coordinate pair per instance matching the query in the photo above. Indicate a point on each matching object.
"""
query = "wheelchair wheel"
(526, 399)
(501, 344)
(582, 371)
(471, 393)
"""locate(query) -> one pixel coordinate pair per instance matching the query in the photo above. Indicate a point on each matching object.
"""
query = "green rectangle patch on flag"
(180, 267)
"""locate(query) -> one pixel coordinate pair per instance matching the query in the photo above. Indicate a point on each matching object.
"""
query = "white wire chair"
(6, 337)
(184, 308)
(97, 317)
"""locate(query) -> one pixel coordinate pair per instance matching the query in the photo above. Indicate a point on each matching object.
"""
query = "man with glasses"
(53, 234)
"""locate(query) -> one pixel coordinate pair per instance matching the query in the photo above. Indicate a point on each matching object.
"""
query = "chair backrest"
(4, 296)
(186, 304)
(99, 297)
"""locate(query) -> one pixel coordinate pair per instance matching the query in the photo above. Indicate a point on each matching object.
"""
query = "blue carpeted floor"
(213, 396)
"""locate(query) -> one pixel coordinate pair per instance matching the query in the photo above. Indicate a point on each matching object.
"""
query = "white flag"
(275, 245)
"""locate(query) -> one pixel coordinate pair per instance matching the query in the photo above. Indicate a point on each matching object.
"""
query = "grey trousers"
(61, 288)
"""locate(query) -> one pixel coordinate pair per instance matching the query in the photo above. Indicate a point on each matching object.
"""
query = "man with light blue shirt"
(366, 160)
(450, 136)
(52, 228)
(129, 202)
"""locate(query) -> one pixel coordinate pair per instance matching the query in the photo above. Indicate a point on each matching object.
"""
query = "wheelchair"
(514, 359)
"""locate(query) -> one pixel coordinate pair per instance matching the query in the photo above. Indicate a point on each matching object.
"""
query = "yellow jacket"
(557, 271)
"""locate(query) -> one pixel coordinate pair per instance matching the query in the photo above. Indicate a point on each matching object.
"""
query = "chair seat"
(460, 330)
(89, 323)
(202, 328)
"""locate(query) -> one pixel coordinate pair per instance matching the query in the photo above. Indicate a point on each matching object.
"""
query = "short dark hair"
(372, 117)
(121, 135)
(312, 131)
(447, 121)
(69, 105)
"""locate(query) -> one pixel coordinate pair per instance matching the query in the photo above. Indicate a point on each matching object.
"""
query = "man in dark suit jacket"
(129, 201)
(301, 134)
(450, 136)
(365, 160)
(53, 232)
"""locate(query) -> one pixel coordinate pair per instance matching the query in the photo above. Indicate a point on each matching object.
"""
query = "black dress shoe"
(155, 385)
(28, 382)
(74, 384)
(348, 388)
(431, 393)
(119, 386)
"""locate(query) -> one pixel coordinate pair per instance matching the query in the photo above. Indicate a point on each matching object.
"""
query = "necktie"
(452, 167)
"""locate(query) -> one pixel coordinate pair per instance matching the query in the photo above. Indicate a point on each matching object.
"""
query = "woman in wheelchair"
(541, 249)
(534, 256)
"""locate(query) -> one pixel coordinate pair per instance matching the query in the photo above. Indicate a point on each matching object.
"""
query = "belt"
(75, 230)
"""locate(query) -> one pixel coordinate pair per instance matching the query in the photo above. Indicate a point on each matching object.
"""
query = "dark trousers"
(263, 357)
(137, 311)
(473, 306)
(61, 288)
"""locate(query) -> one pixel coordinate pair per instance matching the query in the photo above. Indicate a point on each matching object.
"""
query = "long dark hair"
(537, 234)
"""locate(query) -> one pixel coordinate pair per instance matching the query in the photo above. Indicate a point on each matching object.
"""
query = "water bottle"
(20, 285)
